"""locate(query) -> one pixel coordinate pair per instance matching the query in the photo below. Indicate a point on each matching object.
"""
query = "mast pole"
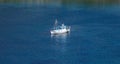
(56, 22)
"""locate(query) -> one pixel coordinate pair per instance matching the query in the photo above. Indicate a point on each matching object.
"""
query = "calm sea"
(25, 35)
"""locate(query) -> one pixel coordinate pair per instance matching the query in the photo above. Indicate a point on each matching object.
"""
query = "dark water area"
(25, 36)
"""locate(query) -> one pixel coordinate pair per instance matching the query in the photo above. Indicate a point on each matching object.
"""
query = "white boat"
(57, 29)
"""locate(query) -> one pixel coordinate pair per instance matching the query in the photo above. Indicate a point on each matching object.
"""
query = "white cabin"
(60, 29)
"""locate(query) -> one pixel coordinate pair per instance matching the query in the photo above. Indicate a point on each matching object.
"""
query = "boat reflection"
(60, 38)
(60, 42)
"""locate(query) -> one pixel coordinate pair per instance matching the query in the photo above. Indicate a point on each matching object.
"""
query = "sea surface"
(25, 35)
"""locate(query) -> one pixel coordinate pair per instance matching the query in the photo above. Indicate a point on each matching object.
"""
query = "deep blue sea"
(25, 35)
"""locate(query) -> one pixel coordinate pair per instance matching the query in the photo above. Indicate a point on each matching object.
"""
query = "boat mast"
(56, 22)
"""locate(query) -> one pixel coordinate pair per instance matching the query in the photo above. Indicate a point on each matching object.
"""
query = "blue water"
(25, 37)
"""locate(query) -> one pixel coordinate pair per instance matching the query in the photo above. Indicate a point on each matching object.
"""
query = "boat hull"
(60, 31)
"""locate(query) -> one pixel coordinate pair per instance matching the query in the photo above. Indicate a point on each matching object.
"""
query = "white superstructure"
(60, 29)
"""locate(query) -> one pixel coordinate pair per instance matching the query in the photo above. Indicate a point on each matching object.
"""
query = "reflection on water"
(64, 2)
(61, 38)
(60, 42)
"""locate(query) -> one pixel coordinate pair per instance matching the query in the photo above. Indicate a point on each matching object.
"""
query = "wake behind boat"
(57, 29)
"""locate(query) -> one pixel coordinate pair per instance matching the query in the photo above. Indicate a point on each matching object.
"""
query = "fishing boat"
(59, 29)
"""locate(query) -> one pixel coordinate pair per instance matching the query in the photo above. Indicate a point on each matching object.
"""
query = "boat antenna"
(56, 22)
